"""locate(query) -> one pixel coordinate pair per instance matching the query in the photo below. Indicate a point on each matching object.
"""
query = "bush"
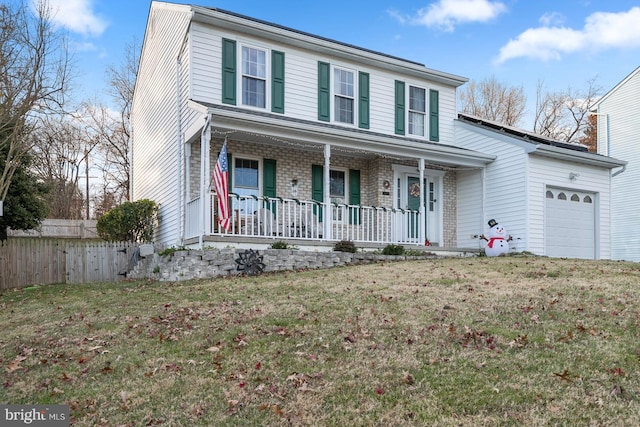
(280, 245)
(130, 222)
(393, 250)
(345, 246)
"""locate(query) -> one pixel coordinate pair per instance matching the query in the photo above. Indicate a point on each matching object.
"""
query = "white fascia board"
(578, 157)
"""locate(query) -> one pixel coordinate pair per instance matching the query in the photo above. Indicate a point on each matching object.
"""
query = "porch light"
(573, 176)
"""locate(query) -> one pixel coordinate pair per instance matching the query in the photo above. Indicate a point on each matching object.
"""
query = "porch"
(256, 218)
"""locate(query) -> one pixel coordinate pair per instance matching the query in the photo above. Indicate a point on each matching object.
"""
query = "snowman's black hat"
(492, 223)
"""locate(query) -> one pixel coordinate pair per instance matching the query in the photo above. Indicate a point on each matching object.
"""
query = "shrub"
(130, 221)
(280, 245)
(345, 246)
(393, 250)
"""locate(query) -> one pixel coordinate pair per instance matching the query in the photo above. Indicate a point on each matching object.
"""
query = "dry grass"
(465, 342)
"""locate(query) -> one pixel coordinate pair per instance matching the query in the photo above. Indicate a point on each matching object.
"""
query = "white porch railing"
(307, 220)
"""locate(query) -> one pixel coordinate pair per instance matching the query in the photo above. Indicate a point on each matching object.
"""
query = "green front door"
(413, 203)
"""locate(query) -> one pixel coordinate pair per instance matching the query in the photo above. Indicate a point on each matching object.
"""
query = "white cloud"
(602, 31)
(77, 16)
(446, 14)
(551, 18)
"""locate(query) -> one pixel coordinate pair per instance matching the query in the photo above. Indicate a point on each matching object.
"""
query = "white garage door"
(570, 226)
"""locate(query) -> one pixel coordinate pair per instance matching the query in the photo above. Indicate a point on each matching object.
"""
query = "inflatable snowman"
(497, 240)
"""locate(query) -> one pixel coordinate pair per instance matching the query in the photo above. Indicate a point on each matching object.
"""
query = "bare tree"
(562, 116)
(34, 69)
(112, 149)
(114, 129)
(61, 146)
(492, 100)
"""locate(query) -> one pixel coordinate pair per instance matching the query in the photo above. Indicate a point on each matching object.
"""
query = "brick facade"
(294, 163)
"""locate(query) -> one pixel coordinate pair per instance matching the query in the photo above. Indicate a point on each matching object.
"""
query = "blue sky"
(561, 43)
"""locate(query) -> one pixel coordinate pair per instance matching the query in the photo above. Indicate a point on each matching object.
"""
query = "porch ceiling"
(269, 128)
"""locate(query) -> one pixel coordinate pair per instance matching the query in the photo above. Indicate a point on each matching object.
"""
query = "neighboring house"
(553, 197)
(618, 114)
(327, 141)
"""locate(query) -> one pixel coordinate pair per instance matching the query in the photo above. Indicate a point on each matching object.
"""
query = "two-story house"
(325, 141)
(619, 135)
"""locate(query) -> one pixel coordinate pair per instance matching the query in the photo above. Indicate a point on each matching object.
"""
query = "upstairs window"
(344, 95)
(417, 110)
(254, 77)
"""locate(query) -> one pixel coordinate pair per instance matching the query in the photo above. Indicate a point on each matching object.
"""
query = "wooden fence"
(29, 261)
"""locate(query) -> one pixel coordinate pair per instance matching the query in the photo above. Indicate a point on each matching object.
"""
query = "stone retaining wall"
(201, 264)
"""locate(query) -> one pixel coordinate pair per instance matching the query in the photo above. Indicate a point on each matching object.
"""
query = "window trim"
(234, 172)
(267, 75)
(343, 219)
(354, 99)
(425, 122)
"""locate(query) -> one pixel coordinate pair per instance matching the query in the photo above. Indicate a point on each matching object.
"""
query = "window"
(254, 77)
(343, 89)
(246, 182)
(575, 198)
(417, 110)
(562, 196)
(549, 195)
(337, 182)
(337, 185)
(587, 199)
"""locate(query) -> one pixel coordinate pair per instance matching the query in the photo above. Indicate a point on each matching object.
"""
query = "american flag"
(221, 184)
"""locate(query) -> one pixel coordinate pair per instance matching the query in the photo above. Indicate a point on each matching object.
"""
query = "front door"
(410, 199)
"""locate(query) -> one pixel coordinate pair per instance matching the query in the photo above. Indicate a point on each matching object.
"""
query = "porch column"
(205, 173)
(422, 217)
(326, 197)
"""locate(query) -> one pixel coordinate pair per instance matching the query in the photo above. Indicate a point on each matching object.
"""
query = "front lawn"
(459, 342)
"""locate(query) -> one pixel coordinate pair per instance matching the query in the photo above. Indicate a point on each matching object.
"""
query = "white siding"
(622, 109)
(301, 73)
(469, 208)
(155, 164)
(505, 196)
(546, 172)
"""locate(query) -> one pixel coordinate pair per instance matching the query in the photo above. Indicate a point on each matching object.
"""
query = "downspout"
(181, 208)
(179, 139)
(618, 172)
(483, 183)
(421, 211)
(205, 138)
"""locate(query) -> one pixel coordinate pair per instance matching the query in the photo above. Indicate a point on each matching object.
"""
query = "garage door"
(570, 224)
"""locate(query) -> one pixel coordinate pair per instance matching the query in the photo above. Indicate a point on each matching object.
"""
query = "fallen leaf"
(563, 376)
(14, 365)
(277, 411)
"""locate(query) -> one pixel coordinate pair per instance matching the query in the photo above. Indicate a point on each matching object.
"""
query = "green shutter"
(229, 71)
(317, 182)
(434, 121)
(324, 91)
(269, 178)
(363, 106)
(277, 82)
(354, 195)
(269, 181)
(400, 120)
